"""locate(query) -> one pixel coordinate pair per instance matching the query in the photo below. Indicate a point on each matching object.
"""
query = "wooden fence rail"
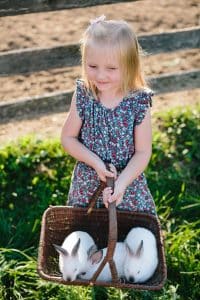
(33, 60)
(59, 101)
(18, 7)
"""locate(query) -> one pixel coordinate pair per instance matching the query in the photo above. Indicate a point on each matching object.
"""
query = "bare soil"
(61, 27)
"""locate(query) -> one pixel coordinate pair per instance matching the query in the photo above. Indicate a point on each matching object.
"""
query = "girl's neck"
(110, 99)
(110, 96)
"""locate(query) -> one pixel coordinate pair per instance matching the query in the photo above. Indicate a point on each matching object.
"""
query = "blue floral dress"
(109, 132)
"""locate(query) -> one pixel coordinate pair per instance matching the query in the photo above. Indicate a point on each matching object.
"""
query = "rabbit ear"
(91, 251)
(129, 250)
(61, 250)
(76, 246)
(96, 257)
(139, 249)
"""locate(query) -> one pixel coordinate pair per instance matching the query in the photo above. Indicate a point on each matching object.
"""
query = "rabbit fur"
(74, 254)
(96, 259)
(141, 255)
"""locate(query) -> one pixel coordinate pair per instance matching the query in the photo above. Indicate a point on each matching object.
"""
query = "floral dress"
(109, 132)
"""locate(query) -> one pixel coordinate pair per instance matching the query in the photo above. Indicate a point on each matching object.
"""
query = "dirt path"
(55, 28)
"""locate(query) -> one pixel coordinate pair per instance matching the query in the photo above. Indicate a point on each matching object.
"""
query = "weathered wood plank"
(46, 104)
(186, 38)
(59, 102)
(33, 60)
(18, 7)
(174, 82)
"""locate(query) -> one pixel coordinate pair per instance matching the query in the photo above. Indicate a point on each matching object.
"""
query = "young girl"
(109, 120)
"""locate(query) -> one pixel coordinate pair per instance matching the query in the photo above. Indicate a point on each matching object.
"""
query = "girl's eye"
(111, 67)
(92, 66)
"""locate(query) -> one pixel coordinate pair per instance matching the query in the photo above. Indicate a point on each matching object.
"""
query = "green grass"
(36, 173)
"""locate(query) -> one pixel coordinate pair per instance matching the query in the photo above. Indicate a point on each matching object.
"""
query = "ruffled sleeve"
(144, 101)
(81, 95)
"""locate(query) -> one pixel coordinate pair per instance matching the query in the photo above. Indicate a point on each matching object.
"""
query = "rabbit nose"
(68, 279)
(131, 279)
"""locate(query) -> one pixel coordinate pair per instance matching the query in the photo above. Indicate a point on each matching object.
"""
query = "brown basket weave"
(59, 221)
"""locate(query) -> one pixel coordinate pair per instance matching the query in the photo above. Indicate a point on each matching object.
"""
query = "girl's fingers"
(106, 195)
(108, 189)
(115, 197)
(102, 175)
(113, 169)
(102, 178)
(105, 203)
(112, 199)
(109, 174)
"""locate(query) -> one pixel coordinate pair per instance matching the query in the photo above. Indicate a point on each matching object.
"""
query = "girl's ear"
(61, 250)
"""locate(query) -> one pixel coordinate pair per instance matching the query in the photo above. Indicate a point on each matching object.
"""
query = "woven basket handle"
(95, 196)
(112, 238)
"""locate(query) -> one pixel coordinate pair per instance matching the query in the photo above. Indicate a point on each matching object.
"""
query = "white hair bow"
(97, 20)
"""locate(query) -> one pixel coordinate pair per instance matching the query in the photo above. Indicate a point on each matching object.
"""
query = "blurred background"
(57, 28)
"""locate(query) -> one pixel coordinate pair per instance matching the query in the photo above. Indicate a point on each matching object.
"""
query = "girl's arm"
(71, 144)
(139, 161)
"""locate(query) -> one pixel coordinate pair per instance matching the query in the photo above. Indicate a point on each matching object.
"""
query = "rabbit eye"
(83, 273)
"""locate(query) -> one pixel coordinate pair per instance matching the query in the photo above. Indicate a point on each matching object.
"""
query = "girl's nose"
(100, 75)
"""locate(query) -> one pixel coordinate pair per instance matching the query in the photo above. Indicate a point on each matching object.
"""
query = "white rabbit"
(141, 255)
(96, 259)
(74, 254)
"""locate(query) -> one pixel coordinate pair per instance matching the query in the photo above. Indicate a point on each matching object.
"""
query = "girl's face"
(103, 68)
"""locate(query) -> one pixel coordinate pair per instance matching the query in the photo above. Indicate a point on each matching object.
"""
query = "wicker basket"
(59, 221)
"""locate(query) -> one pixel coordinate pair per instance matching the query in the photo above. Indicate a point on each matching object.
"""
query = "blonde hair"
(116, 35)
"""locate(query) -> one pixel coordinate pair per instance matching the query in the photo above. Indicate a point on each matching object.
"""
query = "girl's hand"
(113, 170)
(107, 192)
(118, 194)
(102, 172)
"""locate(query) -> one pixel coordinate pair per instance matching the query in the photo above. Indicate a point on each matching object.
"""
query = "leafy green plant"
(35, 174)
(174, 171)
